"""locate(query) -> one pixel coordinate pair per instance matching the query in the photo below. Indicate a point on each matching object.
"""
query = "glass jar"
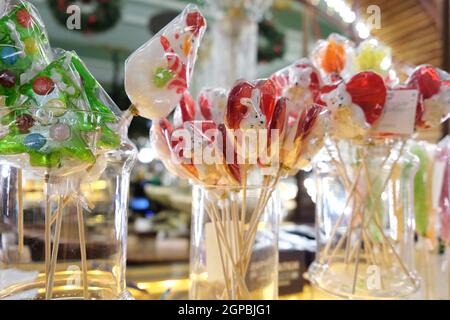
(64, 237)
(365, 219)
(234, 243)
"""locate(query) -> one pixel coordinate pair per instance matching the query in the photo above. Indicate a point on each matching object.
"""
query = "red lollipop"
(308, 119)
(278, 121)
(367, 90)
(426, 80)
(226, 147)
(250, 105)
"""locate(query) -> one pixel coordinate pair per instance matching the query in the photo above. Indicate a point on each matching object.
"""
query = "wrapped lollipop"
(334, 57)
(355, 106)
(301, 85)
(61, 118)
(158, 73)
(250, 105)
(434, 95)
(55, 122)
(372, 56)
(212, 104)
(24, 49)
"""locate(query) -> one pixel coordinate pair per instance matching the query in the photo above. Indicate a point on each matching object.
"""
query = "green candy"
(421, 203)
(161, 77)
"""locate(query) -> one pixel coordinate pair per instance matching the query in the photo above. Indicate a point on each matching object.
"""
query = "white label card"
(399, 114)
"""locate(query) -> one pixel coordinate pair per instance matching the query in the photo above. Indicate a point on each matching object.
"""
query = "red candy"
(236, 111)
(368, 91)
(278, 121)
(195, 21)
(426, 80)
(43, 86)
(307, 121)
(24, 18)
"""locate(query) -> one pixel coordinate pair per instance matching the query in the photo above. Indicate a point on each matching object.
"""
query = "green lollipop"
(421, 205)
(24, 48)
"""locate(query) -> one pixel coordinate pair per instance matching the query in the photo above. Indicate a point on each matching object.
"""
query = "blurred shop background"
(245, 39)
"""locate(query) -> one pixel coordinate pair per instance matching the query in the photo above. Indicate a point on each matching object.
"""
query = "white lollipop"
(159, 72)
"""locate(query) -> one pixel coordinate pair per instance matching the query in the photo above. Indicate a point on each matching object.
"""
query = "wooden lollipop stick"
(222, 259)
(54, 258)
(226, 246)
(20, 216)
(47, 231)
(358, 252)
(340, 219)
(83, 250)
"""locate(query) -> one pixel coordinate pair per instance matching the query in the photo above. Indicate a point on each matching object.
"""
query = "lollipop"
(161, 141)
(60, 118)
(371, 56)
(250, 105)
(24, 49)
(355, 106)
(434, 90)
(158, 73)
(300, 83)
(333, 56)
(421, 195)
(212, 104)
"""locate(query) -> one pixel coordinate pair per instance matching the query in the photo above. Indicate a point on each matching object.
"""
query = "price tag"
(399, 114)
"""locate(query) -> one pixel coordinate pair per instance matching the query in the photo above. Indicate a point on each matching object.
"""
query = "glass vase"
(365, 219)
(64, 237)
(234, 243)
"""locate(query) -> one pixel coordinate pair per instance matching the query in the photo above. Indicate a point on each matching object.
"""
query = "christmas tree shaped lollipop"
(55, 112)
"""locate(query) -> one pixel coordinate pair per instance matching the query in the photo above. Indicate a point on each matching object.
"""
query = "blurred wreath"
(96, 15)
(271, 43)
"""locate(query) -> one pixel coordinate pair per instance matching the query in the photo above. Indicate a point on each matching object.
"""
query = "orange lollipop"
(334, 57)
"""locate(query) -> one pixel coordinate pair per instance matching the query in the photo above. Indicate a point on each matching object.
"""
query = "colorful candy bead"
(9, 55)
(55, 107)
(60, 132)
(24, 123)
(43, 86)
(7, 79)
(34, 141)
(24, 18)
